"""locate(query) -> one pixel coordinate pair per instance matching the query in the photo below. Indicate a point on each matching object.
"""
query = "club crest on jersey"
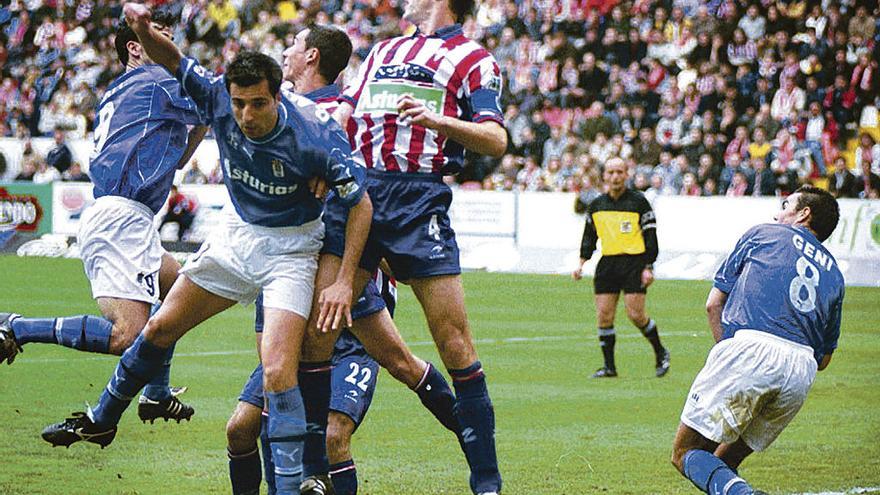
(626, 227)
(494, 84)
(410, 72)
(277, 168)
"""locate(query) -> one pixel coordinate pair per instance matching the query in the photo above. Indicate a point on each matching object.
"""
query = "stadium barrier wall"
(519, 232)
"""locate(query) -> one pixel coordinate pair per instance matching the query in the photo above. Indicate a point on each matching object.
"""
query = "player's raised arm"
(193, 139)
(160, 48)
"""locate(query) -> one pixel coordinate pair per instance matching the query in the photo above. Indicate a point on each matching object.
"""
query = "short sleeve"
(343, 175)
(176, 106)
(207, 90)
(732, 266)
(483, 91)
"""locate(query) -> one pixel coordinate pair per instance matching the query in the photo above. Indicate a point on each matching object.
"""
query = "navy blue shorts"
(410, 229)
(370, 302)
(353, 379)
(252, 393)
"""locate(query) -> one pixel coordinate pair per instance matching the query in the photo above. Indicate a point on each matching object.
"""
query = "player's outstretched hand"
(136, 13)
(647, 277)
(413, 112)
(334, 305)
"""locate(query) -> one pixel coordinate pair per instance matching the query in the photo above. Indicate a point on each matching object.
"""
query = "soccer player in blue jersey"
(271, 145)
(140, 140)
(338, 393)
(775, 312)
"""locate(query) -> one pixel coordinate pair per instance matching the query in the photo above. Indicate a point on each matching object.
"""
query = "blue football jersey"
(140, 136)
(267, 179)
(781, 280)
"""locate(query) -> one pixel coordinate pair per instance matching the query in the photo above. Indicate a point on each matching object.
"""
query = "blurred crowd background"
(700, 98)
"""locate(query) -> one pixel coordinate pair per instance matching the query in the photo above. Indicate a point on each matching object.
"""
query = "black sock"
(650, 333)
(607, 338)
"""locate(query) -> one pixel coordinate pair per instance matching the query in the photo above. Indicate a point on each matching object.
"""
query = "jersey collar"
(279, 126)
(328, 91)
(444, 33)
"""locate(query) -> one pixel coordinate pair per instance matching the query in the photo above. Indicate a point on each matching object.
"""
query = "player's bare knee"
(276, 377)
(241, 436)
(121, 338)
(454, 345)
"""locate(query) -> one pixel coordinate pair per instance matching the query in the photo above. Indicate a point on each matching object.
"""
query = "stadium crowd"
(718, 97)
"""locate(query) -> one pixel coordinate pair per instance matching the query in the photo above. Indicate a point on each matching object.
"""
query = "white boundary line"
(509, 340)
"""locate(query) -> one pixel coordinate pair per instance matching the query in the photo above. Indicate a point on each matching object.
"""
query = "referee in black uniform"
(624, 221)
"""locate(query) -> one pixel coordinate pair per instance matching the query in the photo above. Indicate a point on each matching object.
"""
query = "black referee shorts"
(619, 273)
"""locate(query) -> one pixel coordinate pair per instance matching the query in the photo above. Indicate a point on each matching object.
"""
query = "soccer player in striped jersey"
(140, 141)
(343, 388)
(417, 104)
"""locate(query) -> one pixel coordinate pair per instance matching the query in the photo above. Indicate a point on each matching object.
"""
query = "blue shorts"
(370, 302)
(252, 393)
(353, 379)
(410, 229)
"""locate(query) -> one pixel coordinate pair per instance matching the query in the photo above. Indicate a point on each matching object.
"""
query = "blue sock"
(84, 332)
(268, 465)
(314, 384)
(711, 475)
(244, 472)
(136, 367)
(437, 397)
(157, 389)
(344, 478)
(287, 430)
(476, 417)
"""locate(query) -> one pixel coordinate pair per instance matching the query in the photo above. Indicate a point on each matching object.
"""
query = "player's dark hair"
(461, 8)
(124, 33)
(249, 68)
(824, 211)
(335, 49)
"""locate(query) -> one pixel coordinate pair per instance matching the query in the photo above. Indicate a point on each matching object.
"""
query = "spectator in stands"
(809, 133)
(45, 173)
(868, 185)
(759, 147)
(181, 210)
(75, 174)
(763, 179)
(194, 174)
(689, 186)
(28, 169)
(868, 152)
(555, 146)
(788, 98)
(843, 183)
(646, 150)
(60, 157)
(739, 186)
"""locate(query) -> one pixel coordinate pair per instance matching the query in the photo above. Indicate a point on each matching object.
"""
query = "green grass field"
(558, 432)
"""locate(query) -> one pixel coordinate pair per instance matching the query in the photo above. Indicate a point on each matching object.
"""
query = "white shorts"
(751, 387)
(120, 249)
(238, 260)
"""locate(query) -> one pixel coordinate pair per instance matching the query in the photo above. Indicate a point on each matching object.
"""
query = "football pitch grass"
(558, 432)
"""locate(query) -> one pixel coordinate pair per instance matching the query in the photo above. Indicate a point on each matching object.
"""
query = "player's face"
(615, 177)
(295, 57)
(416, 11)
(255, 108)
(789, 214)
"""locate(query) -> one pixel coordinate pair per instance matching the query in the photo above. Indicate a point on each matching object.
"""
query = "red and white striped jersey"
(450, 74)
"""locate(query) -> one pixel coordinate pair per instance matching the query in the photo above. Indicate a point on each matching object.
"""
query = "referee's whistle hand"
(577, 275)
(647, 277)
